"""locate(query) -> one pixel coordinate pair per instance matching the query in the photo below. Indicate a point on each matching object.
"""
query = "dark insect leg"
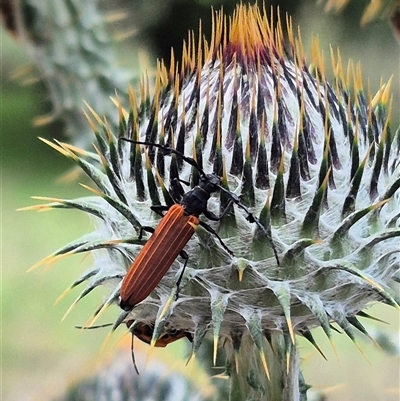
(212, 231)
(133, 356)
(214, 217)
(185, 257)
(94, 327)
(159, 209)
(252, 219)
(176, 189)
(147, 229)
(187, 183)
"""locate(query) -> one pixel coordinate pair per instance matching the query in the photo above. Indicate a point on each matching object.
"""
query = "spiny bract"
(317, 162)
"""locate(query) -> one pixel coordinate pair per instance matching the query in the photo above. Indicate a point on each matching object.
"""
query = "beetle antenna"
(252, 219)
(133, 356)
(169, 150)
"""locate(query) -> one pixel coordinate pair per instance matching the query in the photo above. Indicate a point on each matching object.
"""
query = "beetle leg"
(235, 199)
(159, 209)
(176, 189)
(211, 216)
(250, 218)
(145, 228)
(212, 231)
(214, 217)
(187, 183)
(185, 257)
(133, 356)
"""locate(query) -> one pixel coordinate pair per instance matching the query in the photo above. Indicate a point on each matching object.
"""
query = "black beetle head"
(210, 182)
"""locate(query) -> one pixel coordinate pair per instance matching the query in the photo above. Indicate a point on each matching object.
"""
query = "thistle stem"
(249, 380)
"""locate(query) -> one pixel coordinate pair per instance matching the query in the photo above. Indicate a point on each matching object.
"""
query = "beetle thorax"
(210, 183)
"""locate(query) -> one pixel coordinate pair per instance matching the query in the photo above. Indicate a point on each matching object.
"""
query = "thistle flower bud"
(315, 162)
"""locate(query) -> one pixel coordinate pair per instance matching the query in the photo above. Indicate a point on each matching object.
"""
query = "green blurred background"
(40, 355)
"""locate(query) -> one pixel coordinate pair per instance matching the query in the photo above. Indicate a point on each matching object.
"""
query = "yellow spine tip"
(215, 350)
(151, 350)
(287, 362)
(70, 309)
(236, 356)
(265, 365)
(190, 363)
(106, 340)
(291, 331)
(63, 295)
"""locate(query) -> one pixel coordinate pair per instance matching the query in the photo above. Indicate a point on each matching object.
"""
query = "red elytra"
(157, 255)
